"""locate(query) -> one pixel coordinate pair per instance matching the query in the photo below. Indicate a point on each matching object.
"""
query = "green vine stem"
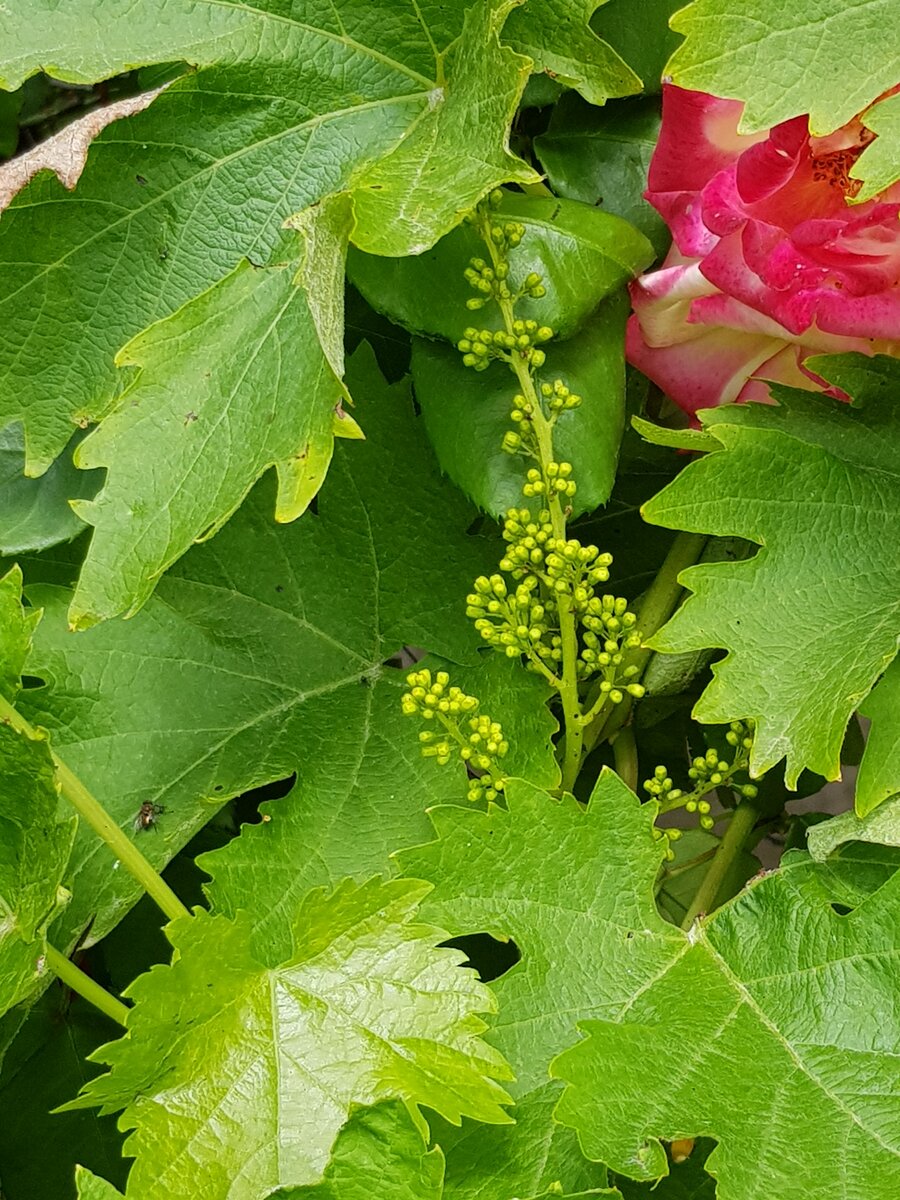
(656, 606)
(573, 735)
(625, 756)
(95, 815)
(739, 830)
(73, 977)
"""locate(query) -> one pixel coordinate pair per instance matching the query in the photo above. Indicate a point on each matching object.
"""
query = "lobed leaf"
(774, 57)
(35, 513)
(879, 771)
(812, 620)
(365, 1008)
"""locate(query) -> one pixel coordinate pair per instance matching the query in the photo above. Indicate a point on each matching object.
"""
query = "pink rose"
(769, 262)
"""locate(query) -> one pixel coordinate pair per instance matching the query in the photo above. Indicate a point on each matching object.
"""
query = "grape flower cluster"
(708, 772)
(474, 737)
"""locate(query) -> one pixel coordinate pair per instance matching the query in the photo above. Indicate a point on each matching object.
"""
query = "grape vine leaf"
(882, 828)
(557, 36)
(466, 414)
(535, 1156)
(234, 382)
(34, 842)
(35, 513)
(686, 1180)
(774, 56)
(879, 771)
(261, 655)
(558, 880)
(759, 1033)
(582, 256)
(380, 1152)
(286, 110)
(812, 620)
(879, 164)
(365, 1008)
(94, 1187)
(350, 811)
(765, 1008)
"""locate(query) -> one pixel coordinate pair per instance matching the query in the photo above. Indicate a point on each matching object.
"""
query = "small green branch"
(95, 815)
(737, 834)
(625, 755)
(74, 978)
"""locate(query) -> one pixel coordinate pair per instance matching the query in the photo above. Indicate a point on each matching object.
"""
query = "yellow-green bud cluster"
(479, 346)
(669, 836)
(477, 739)
(558, 397)
(707, 771)
(555, 480)
(515, 622)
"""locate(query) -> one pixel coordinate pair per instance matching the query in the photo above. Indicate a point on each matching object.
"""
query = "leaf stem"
(739, 829)
(95, 815)
(73, 977)
(625, 755)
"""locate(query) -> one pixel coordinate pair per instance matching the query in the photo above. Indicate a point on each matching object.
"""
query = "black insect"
(147, 816)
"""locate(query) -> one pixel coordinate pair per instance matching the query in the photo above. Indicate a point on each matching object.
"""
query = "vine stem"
(739, 829)
(73, 977)
(625, 756)
(573, 729)
(95, 815)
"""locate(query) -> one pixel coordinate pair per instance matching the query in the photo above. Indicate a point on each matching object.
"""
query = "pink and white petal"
(709, 370)
(662, 301)
(698, 139)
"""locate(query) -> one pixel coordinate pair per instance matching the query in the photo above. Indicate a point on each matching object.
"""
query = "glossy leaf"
(811, 621)
(557, 36)
(378, 1152)
(879, 771)
(35, 513)
(582, 256)
(774, 56)
(466, 413)
(601, 158)
(642, 36)
(261, 655)
(364, 1009)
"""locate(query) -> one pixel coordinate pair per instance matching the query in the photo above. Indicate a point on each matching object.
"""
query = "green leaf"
(558, 880)
(93, 1187)
(645, 42)
(35, 513)
(582, 256)
(408, 198)
(17, 626)
(233, 383)
(557, 36)
(764, 1013)
(486, 1162)
(881, 827)
(879, 164)
(680, 882)
(601, 157)
(46, 1067)
(812, 620)
(378, 1152)
(466, 413)
(289, 109)
(774, 56)
(678, 439)
(10, 108)
(366, 1008)
(261, 655)
(760, 1013)
(34, 849)
(879, 771)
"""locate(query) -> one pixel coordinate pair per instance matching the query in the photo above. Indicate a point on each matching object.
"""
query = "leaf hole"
(32, 682)
(488, 956)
